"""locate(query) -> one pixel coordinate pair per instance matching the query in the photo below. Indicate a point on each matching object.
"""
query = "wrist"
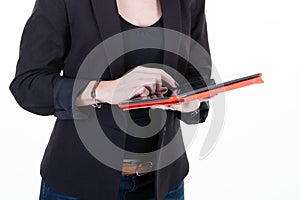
(84, 98)
(104, 91)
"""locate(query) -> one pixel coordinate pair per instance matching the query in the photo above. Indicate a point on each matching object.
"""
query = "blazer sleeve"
(196, 79)
(38, 86)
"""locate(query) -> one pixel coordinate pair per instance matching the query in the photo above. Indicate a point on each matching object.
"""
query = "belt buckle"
(139, 169)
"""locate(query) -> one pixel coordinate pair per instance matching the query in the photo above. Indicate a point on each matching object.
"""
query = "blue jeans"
(132, 187)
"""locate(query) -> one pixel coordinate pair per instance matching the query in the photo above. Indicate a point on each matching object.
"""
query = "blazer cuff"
(65, 95)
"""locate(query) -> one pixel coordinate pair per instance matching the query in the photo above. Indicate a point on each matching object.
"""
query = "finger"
(151, 88)
(177, 107)
(159, 107)
(162, 91)
(138, 91)
(145, 92)
(158, 84)
(149, 83)
(155, 77)
(160, 95)
(163, 107)
(165, 76)
(174, 92)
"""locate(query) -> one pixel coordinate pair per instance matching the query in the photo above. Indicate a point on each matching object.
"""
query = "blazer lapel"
(171, 20)
(106, 14)
(171, 10)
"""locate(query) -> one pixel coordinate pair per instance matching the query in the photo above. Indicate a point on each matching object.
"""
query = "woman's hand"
(182, 107)
(141, 81)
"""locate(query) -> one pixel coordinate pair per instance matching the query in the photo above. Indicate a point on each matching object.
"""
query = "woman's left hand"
(182, 107)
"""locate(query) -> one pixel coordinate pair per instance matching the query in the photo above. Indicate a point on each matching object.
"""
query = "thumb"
(144, 92)
(137, 91)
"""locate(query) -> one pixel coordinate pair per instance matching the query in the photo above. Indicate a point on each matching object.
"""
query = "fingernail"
(163, 89)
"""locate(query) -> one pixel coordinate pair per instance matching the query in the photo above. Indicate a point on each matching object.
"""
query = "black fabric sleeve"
(196, 79)
(38, 86)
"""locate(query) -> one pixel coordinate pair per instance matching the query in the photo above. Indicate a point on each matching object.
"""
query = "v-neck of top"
(159, 21)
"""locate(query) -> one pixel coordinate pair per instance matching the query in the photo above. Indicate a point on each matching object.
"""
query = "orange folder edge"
(170, 101)
(202, 95)
(210, 93)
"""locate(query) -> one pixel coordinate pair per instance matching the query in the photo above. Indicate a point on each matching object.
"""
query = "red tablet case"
(202, 93)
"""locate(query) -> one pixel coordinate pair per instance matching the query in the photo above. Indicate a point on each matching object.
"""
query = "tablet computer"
(200, 93)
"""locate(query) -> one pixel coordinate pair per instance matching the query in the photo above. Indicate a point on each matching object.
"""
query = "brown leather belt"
(139, 169)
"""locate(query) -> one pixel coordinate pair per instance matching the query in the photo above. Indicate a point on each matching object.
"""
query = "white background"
(257, 156)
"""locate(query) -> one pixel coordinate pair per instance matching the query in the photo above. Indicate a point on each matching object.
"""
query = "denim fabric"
(132, 187)
(46, 193)
(135, 187)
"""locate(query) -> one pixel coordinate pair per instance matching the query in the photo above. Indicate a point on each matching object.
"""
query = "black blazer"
(57, 37)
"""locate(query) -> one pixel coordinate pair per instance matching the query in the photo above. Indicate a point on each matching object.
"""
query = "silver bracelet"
(93, 95)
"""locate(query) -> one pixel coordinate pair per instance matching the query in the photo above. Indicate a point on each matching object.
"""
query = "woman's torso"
(131, 60)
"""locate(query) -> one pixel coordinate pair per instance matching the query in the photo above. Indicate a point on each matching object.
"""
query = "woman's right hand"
(141, 81)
